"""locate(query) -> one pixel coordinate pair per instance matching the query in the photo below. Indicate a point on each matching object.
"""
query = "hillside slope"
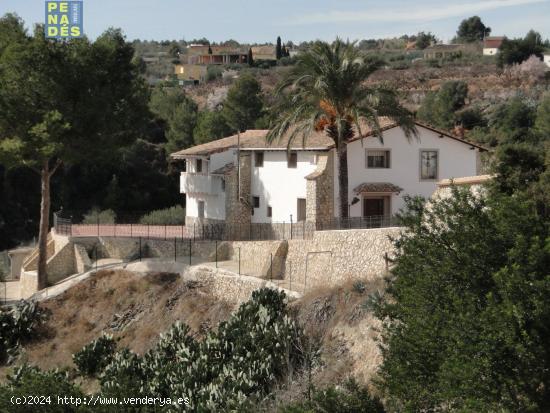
(135, 309)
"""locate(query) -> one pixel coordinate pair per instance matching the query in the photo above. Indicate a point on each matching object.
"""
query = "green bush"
(18, 325)
(232, 366)
(349, 399)
(213, 72)
(95, 356)
(46, 387)
(169, 216)
(96, 216)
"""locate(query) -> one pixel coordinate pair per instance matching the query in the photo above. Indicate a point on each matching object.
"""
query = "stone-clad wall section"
(62, 264)
(320, 190)
(257, 257)
(237, 206)
(334, 257)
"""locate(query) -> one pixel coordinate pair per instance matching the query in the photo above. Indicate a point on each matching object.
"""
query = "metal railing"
(128, 226)
(370, 222)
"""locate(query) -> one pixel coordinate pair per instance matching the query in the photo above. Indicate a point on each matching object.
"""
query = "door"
(301, 209)
(373, 207)
(201, 209)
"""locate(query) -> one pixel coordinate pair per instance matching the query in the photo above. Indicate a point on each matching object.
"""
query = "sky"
(259, 21)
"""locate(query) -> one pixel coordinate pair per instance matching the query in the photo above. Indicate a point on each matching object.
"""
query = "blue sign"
(64, 19)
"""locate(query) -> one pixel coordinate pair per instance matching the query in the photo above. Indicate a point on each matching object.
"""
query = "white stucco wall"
(456, 159)
(547, 59)
(214, 205)
(490, 51)
(279, 186)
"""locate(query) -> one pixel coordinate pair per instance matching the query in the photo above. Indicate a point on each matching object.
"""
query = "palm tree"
(326, 91)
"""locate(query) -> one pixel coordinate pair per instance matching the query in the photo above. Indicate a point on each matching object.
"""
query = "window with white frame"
(378, 158)
(429, 164)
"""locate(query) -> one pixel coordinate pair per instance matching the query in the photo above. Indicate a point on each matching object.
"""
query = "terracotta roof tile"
(377, 187)
(256, 139)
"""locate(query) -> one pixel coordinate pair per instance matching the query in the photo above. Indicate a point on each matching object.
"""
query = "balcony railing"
(197, 183)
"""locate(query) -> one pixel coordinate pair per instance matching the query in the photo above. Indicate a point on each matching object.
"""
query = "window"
(301, 207)
(223, 185)
(256, 201)
(378, 159)
(198, 165)
(269, 212)
(428, 164)
(292, 161)
(201, 209)
(259, 159)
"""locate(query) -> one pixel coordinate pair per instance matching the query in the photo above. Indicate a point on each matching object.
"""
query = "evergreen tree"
(48, 117)
(472, 30)
(244, 104)
(519, 50)
(250, 57)
(279, 49)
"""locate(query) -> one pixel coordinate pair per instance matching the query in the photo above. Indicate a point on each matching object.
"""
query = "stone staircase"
(31, 262)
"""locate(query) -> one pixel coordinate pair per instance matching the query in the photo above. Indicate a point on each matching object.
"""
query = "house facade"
(443, 51)
(242, 179)
(491, 45)
(547, 59)
(214, 55)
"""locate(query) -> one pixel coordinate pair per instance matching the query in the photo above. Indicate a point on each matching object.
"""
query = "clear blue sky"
(296, 20)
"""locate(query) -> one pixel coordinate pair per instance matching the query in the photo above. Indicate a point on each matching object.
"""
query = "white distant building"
(491, 45)
(547, 59)
(262, 183)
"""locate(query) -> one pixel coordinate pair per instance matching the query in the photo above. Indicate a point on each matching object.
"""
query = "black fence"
(130, 226)
(371, 222)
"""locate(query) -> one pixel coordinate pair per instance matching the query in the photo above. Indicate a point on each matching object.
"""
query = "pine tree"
(250, 57)
(279, 49)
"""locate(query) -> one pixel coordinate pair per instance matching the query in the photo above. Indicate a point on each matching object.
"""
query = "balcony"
(198, 183)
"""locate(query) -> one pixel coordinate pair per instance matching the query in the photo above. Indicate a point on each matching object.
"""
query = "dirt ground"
(134, 309)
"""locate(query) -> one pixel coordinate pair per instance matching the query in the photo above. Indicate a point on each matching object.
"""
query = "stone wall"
(257, 257)
(320, 190)
(28, 284)
(62, 264)
(333, 257)
(82, 259)
(228, 286)
(237, 205)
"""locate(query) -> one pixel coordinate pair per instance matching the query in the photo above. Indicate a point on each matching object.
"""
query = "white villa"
(491, 45)
(243, 179)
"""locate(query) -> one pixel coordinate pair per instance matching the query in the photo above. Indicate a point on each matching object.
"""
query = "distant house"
(442, 51)
(243, 179)
(215, 55)
(267, 53)
(547, 59)
(491, 45)
(190, 73)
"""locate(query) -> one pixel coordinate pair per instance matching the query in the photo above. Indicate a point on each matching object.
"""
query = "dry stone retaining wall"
(334, 257)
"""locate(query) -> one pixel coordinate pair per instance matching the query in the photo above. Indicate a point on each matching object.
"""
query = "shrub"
(17, 326)
(96, 216)
(349, 399)
(231, 366)
(46, 386)
(95, 356)
(169, 216)
(466, 314)
(213, 72)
